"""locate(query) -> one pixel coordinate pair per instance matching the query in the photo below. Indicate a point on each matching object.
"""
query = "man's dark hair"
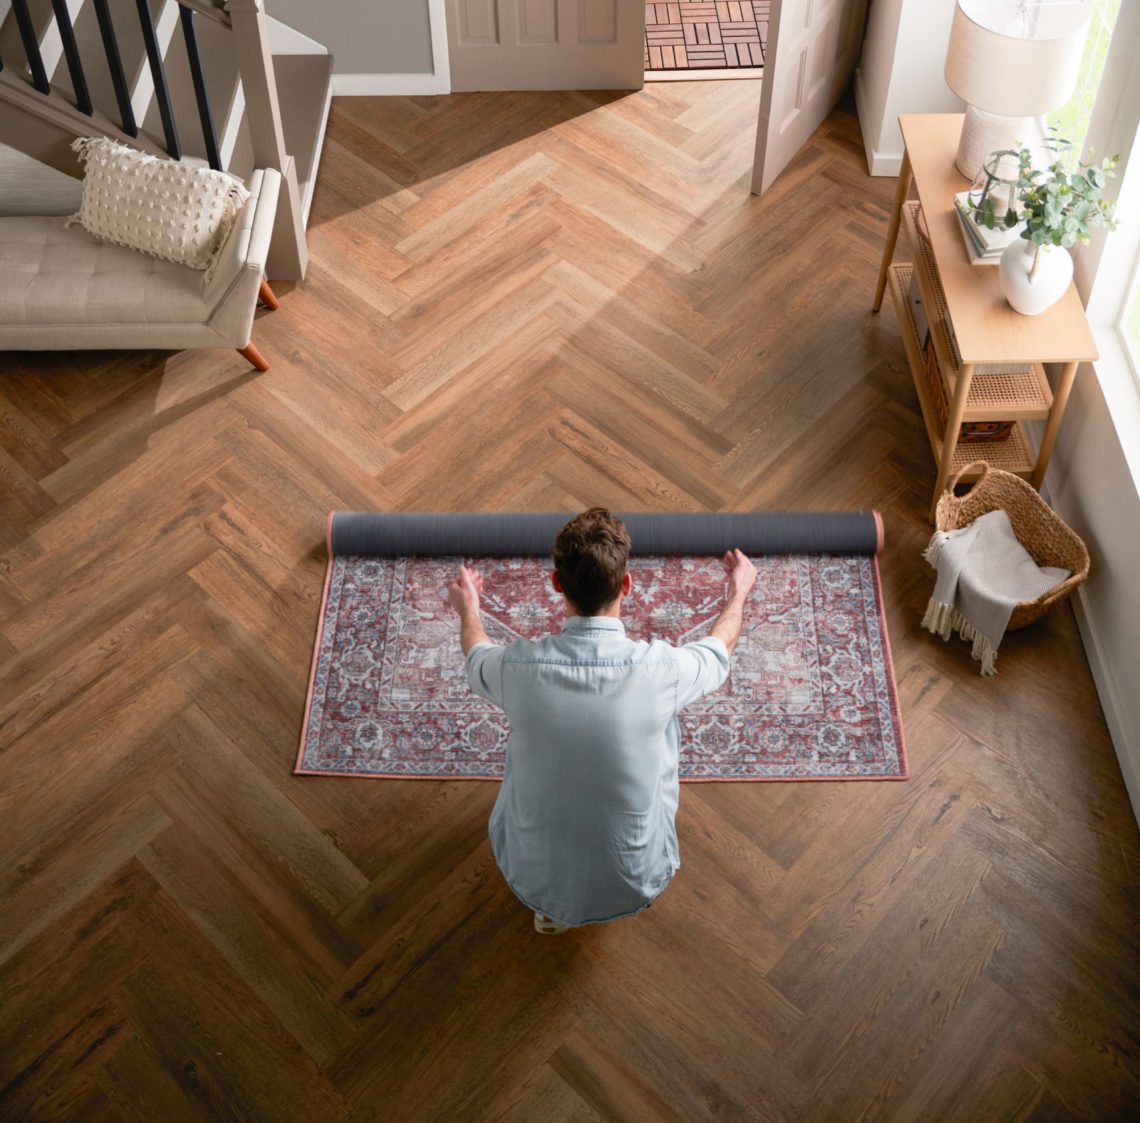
(591, 554)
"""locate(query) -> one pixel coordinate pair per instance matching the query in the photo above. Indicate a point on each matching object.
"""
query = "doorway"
(695, 39)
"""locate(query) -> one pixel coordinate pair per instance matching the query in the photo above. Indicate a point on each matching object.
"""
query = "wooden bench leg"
(253, 356)
(266, 296)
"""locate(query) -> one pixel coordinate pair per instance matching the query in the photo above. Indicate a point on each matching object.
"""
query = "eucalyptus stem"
(1038, 255)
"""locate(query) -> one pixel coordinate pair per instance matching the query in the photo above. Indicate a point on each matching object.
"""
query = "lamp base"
(983, 133)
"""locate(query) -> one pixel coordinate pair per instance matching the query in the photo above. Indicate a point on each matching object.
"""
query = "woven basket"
(1045, 537)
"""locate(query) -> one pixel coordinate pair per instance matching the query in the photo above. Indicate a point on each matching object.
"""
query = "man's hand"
(463, 592)
(741, 576)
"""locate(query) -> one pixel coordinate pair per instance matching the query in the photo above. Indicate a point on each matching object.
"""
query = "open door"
(546, 44)
(813, 46)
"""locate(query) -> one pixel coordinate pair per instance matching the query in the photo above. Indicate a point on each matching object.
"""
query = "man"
(583, 826)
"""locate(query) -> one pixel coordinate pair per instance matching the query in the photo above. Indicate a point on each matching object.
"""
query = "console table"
(964, 305)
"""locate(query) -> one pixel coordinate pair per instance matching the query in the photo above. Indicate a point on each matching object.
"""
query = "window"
(1072, 119)
(1121, 268)
(1130, 325)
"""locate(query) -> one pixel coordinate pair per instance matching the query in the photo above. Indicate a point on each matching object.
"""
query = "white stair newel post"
(288, 252)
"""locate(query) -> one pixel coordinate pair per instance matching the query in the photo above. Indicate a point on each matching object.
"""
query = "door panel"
(538, 21)
(478, 23)
(546, 44)
(813, 46)
(597, 21)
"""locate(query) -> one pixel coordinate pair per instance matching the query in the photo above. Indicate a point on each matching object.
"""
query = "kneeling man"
(583, 827)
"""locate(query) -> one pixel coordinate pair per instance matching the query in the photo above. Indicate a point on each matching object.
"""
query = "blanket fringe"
(943, 619)
(932, 551)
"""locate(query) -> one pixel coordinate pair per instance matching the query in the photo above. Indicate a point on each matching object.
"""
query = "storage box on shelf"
(988, 357)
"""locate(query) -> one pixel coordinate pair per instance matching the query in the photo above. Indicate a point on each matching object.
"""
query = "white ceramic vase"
(1032, 295)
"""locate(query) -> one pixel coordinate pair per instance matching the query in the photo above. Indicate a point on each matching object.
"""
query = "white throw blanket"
(983, 573)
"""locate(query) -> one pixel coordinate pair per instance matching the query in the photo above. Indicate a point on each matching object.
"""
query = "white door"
(813, 46)
(546, 44)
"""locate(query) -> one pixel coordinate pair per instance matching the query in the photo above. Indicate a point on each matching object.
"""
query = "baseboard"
(390, 85)
(878, 162)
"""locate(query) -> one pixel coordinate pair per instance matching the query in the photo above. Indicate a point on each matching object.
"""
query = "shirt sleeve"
(702, 667)
(484, 667)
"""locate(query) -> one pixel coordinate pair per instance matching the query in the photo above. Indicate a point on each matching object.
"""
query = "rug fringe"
(944, 619)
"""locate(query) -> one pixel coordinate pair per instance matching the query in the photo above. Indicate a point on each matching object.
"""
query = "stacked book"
(983, 246)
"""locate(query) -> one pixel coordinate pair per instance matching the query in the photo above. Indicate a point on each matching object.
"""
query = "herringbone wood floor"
(538, 302)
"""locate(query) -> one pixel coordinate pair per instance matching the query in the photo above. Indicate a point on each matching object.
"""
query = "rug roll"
(365, 534)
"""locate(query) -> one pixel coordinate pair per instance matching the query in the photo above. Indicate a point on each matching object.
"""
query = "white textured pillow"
(175, 211)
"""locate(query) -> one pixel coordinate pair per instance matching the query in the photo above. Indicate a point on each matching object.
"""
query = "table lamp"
(1011, 61)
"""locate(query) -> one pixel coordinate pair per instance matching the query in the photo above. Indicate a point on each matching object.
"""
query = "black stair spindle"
(115, 65)
(204, 115)
(31, 46)
(71, 55)
(158, 73)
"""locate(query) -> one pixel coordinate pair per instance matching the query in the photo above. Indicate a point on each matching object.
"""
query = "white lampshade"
(1012, 61)
(1016, 59)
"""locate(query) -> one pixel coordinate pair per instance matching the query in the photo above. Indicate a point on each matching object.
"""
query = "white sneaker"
(547, 927)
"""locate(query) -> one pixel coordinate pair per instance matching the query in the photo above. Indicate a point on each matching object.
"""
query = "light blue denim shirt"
(583, 827)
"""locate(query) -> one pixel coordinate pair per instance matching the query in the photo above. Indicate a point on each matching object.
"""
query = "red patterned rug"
(811, 695)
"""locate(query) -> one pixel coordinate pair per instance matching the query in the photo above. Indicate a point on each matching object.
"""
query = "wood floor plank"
(231, 1055)
(240, 933)
(524, 301)
(56, 988)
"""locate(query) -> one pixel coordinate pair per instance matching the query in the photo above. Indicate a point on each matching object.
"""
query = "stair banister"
(115, 66)
(158, 75)
(288, 252)
(31, 43)
(71, 57)
(201, 95)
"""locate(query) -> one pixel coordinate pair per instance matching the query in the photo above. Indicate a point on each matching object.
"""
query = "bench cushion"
(50, 274)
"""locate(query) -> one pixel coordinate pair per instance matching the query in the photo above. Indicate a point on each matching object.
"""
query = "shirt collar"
(592, 624)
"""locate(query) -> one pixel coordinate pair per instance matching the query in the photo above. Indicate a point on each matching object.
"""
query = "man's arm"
(741, 574)
(463, 594)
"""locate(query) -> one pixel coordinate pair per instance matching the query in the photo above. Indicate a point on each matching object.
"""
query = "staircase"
(215, 82)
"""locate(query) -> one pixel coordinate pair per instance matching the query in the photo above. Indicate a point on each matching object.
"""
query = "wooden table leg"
(953, 428)
(1060, 399)
(901, 191)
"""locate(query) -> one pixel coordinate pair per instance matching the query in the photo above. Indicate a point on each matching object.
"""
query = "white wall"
(364, 36)
(1091, 487)
(900, 71)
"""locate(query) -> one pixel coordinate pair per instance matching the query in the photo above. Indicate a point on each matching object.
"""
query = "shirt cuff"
(713, 641)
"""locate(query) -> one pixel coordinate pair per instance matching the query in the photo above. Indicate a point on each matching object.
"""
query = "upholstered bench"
(62, 289)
